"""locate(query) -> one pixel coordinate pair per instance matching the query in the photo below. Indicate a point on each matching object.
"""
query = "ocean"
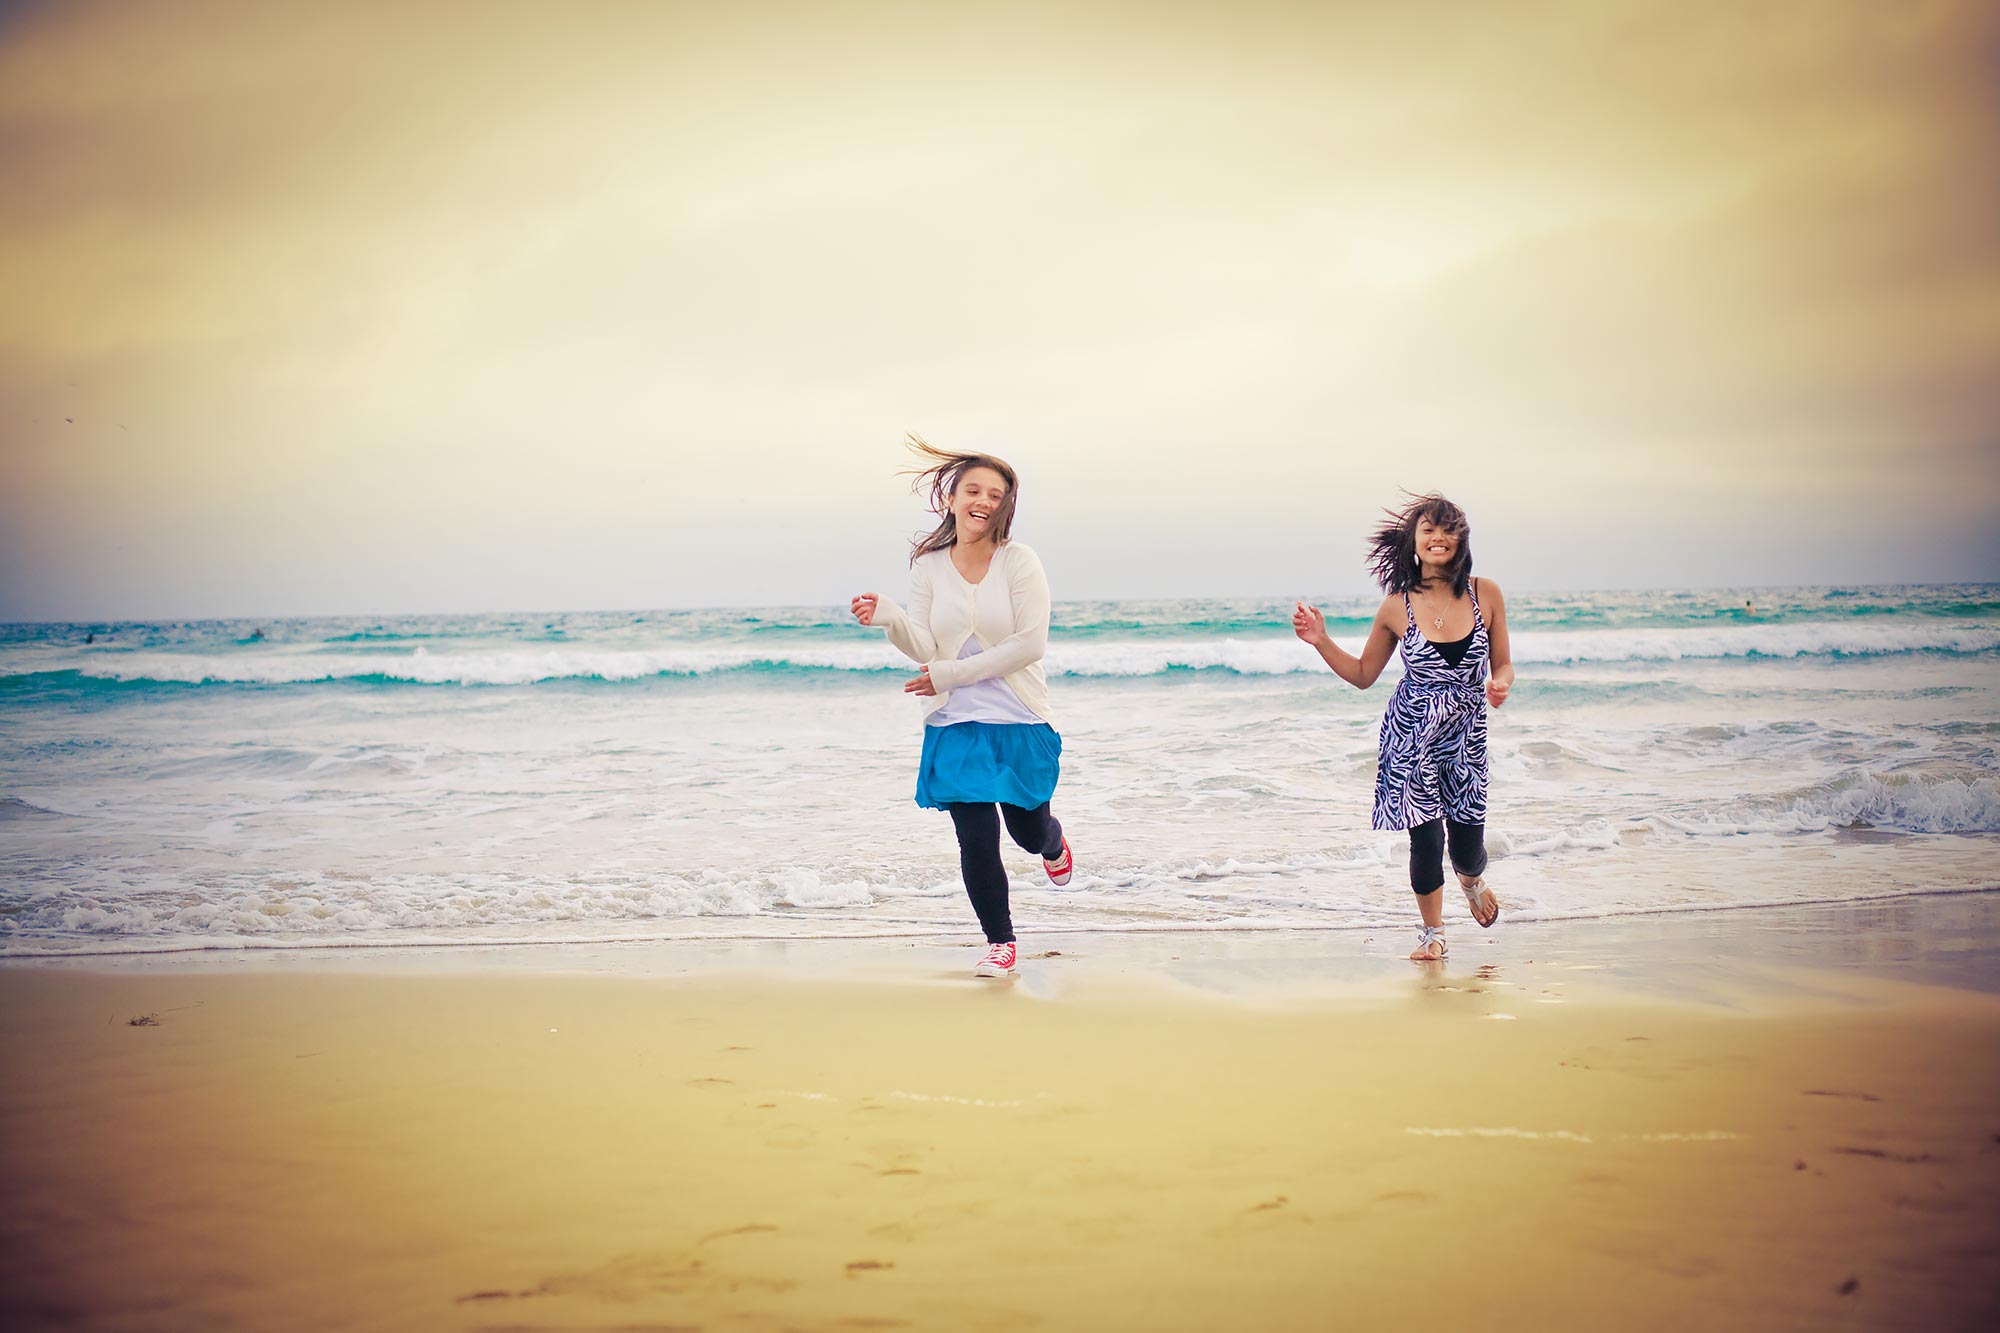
(443, 781)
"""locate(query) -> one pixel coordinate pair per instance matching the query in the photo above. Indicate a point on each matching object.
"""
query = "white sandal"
(1473, 893)
(1427, 937)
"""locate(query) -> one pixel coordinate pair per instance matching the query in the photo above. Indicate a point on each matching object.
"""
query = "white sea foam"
(1917, 802)
(489, 667)
(1263, 656)
(948, 1099)
(159, 913)
(1597, 834)
(1810, 639)
(1574, 1136)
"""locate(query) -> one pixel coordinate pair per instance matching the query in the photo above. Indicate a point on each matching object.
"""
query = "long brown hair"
(940, 470)
(1392, 550)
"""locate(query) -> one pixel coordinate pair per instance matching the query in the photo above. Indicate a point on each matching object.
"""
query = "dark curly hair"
(1392, 551)
(941, 476)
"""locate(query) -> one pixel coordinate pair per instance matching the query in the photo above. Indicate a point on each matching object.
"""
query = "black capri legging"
(1427, 842)
(978, 827)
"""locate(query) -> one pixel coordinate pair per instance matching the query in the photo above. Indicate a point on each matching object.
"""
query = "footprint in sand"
(1908, 1158)
(1273, 1214)
(632, 1277)
(750, 1229)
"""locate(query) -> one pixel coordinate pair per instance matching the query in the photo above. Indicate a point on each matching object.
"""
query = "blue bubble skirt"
(979, 762)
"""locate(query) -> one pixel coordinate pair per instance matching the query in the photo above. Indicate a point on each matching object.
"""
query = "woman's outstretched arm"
(1309, 623)
(1499, 652)
(910, 631)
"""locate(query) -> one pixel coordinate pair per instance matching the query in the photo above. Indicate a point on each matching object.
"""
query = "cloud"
(607, 284)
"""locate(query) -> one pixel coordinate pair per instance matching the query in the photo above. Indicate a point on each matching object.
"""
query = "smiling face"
(1436, 544)
(1427, 539)
(1437, 535)
(979, 504)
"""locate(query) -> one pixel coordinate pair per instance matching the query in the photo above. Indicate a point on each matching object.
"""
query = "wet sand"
(1499, 1144)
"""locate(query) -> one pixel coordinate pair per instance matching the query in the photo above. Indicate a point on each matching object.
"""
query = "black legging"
(1468, 852)
(978, 828)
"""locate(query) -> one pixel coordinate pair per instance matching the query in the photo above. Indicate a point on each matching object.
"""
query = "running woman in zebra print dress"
(1431, 772)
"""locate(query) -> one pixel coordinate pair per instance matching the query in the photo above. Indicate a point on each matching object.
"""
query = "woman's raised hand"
(863, 608)
(1308, 623)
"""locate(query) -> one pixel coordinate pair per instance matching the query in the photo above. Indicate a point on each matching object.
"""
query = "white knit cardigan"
(1007, 612)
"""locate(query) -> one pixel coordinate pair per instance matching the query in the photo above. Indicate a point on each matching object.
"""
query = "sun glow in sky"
(377, 308)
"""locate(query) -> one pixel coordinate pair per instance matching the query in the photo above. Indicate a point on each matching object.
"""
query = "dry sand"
(1499, 1147)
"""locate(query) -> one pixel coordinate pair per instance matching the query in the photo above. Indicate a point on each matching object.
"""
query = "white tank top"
(988, 700)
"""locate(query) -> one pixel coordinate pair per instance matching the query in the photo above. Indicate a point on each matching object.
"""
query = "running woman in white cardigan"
(977, 625)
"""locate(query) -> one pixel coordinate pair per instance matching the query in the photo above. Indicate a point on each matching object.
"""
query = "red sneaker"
(1059, 869)
(999, 962)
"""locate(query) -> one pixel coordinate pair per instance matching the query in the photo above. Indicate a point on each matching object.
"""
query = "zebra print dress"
(1432, 760)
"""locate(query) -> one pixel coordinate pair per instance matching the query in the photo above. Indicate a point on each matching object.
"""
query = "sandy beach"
(1286, 1132)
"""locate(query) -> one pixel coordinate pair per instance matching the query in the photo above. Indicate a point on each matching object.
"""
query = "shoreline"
(1950, 940)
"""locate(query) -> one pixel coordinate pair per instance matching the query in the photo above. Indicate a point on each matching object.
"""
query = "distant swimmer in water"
(90, 637)
(256, 636)
(1749, 607)
(1431, 774)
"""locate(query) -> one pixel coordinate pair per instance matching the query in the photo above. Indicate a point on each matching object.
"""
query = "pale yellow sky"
(377, 308)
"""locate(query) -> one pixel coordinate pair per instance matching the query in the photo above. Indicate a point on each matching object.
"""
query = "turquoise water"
(1088, 639)
(460, 779)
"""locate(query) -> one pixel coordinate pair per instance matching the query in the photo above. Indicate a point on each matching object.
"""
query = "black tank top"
(1454, 652)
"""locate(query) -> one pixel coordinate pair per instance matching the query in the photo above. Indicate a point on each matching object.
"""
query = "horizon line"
(1066, 601)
